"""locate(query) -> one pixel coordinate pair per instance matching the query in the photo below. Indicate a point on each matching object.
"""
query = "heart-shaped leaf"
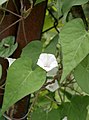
(32, 51)
(76, 109)
(7, 46)
(81, 74)
(21, 81)
(67, 4)
(75, 45)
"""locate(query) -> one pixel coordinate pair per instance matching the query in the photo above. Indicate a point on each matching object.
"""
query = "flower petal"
(65, 118)
(10, 60)
(52, 72)
(52, 87)
(47, 61)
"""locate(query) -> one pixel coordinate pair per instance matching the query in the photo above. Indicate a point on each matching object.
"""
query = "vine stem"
(58, 103)
(1, 87)
(60, 95)
(33, 103)
(74, 90)
(24, 31)
(10, 12)
(10, 26)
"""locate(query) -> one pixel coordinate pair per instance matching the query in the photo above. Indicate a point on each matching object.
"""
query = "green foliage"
(7, 46)
(77, 108)
(21, 81)
(67, 4)
(38, 1)
(81, 74)
(2, 118)
(44, 115)
(51, 47)
(73, 38)
(3, 1)
(70, 44)
(32, 51)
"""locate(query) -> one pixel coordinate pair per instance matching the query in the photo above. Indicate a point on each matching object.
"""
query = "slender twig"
(60, 95)
(10, 26)
(24, 31)
(67, 83)
(1, 94)
(10, 12)
(74, 90)
(64, 93)
(14, 2)
(48, 83)
(52, 100)
(33, 103)
(1, 87)
(8, 118)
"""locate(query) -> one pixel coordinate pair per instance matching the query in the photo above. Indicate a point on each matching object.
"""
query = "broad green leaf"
(21, 81)
(38, 1)
(81, 74)
(7, 46)
(3, 1)
(67, 4)
(41, 114)
(38, 114)
(76, 109)
(73, 39)
(51, 48)
(55, 113)
(32, 51)
(0, 71)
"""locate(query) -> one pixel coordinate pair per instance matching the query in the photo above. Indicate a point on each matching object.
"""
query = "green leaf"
(48, 22)
(81, 74)
(41, 114)
(73, 38)
(0, 71)
(3, 1)
(38, 1)
(32, 51)
(7, 46)
(77, 108)
(2, 118)
(55, 113)
(21, 81)
(51, 48)
(38, 114)
(67, 4)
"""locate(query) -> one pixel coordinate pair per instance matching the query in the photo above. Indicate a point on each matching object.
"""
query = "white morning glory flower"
(52, 87)
(52, 72)
(47, 61)
(10, 60)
